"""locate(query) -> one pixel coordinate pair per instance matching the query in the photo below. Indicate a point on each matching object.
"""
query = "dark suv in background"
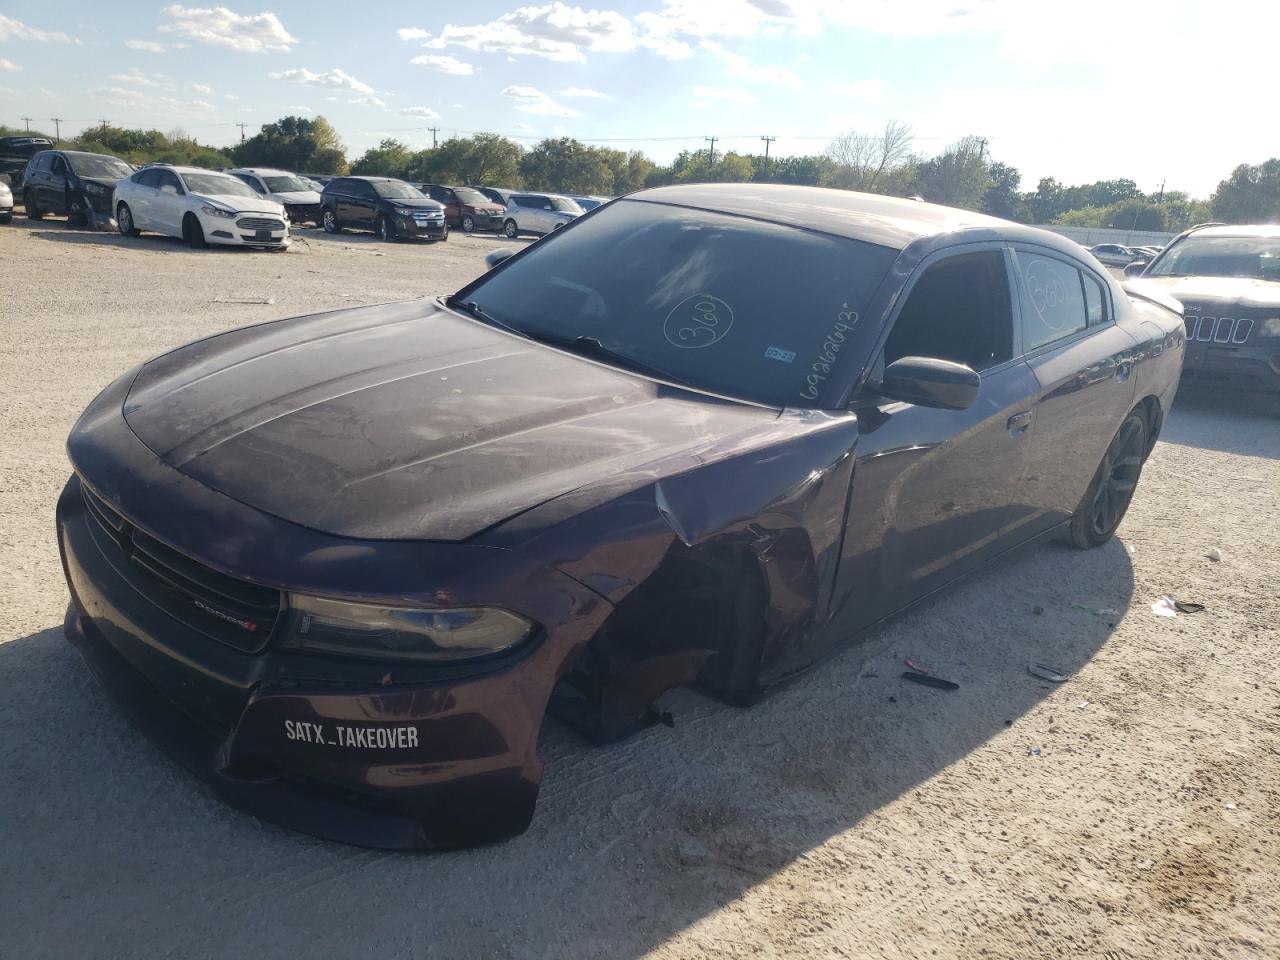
(392, 209)
(466, 207)
(14, 154)
(77, 185)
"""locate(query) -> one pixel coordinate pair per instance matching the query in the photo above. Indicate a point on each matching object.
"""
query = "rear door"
(934, 490)
(140, 197)
(168, 204)
(1083, 364)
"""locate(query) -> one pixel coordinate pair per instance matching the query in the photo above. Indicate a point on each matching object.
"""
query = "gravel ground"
(1133, 811)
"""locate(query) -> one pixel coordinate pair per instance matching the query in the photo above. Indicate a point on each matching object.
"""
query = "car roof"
(259, 171)
(888, 221)
(1262, 230)
(373, 179)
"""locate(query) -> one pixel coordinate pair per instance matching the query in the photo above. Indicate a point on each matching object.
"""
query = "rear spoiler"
(1152, 293)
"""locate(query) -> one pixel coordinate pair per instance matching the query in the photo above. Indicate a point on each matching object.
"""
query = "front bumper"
(350, 751)
(430, 229)
(302, 212)
(1251, 366)
(487, 221)
(245, 230)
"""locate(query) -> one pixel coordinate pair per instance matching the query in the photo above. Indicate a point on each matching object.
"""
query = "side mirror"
(495, 257)
(930, 382)
(1135, 269)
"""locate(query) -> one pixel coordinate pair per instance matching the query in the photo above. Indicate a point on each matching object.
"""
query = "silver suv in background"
(537, 213)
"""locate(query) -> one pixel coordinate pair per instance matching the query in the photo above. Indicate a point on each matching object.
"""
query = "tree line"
(964, 174)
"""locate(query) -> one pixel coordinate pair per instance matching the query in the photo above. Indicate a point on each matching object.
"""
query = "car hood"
(410, 202)
(239, 203)
(1227, 290)
(407, 421)
(108, 182)
(297, 196)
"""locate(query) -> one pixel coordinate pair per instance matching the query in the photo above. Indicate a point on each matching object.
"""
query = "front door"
(53, 195)
(933, 490)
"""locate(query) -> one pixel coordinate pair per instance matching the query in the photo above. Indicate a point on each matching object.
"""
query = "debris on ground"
(915, 665)
(1146, 864)
(1098, 611)
(1165, 607)
(1046, 673)
(925, 680)
(1082, 705)
(1033, 752)
(1215, 555)
(265, 301)
(1037, 610)
(1186, 606)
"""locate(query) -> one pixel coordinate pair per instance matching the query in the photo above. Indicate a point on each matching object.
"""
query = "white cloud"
(524, 127)
(9, 65)
(369, 101)
(151, 45)
(585, 92)
(138, 99)
(202, 88)
(11, 29)
(532, 100)
(137, 77)
(555, 31)
(254, 33)
(299, 108)
(444, 64)
(424, 112)
(870, 89)
(744, 67)
(413, 33)
(334, 79)
(724, 94)
(229, 96)
(203, 105)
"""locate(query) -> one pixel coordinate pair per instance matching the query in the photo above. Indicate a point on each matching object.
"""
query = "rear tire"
(193, 233)
(124, 221)
(386, 230)
(1111, 491)
(33, 209)
(510, 230)
(468, 224)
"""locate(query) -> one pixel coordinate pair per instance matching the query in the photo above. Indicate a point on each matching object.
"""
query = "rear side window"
(148, 178)
(958, 310)
(1095, 300)
(1052, 294)
(250, 180)
(522, 201)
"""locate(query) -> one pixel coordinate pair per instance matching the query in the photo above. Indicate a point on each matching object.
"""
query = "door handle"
(1019, 423)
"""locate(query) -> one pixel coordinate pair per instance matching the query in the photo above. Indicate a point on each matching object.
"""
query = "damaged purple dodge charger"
(342, 566)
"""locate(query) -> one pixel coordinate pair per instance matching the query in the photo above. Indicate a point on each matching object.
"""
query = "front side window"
(1052, 293)
(750, 309)
(44, 162)
(170, 179)
(59, 165)
(958, 310)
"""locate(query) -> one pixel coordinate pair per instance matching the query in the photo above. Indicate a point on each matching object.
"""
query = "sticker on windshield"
(777, 353)
(698, 321)
(846, 323)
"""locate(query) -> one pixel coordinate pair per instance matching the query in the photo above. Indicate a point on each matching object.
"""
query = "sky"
(1177, 92)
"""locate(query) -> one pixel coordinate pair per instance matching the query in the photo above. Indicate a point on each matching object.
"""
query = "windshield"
(1253, 257)
(397, 190)
(217, 184)
(91, 165)
(289, 184)
(565, 204)
(467, 195)
(740, 307)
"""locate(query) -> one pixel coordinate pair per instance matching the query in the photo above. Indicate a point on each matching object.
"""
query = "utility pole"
(104, 126)
(27, 121)
(982, 148)
(1161, 198)
(241, 124)
(767, 141)
(711, 160)
(57, 130)
(434, 131)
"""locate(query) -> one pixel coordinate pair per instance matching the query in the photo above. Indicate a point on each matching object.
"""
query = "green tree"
(1250, 195)
(805, 170)
(1002, 198)
(390, 158)
(958, 177)
(565, 165)
(485, 158)
(699, 168)
(294, 143)
(1136, 214)
(630, 171)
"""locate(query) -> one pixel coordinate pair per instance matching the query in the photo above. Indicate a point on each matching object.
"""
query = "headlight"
(218, 212)
(1271, 327)
(95, 188)
(402, 634)
(405, 211)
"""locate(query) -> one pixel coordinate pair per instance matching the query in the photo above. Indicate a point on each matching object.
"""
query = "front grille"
(234, 612)
(259, 223)
(261, 241)
(1219, 329)
(99, 202)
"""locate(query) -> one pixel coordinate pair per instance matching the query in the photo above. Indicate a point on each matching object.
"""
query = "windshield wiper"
(591, 347)
(473, 309)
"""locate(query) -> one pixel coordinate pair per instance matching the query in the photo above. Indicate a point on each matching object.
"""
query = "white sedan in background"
(199, 206)
(300, 197)
(6, 202)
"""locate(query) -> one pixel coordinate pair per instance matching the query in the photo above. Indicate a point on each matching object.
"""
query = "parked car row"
(1118, 255)
(254, 206)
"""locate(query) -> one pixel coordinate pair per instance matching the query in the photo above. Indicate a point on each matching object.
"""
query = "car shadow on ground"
(1241, 422)
(109, 843)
